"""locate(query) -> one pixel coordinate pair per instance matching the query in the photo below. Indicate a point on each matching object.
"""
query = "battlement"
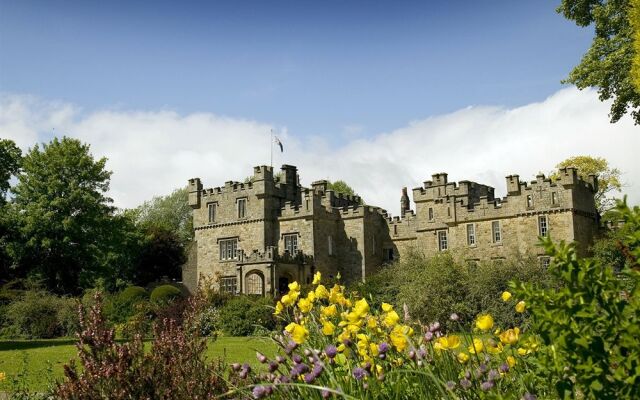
(440, 188)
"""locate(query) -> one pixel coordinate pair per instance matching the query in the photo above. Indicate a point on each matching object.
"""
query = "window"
(545, 261)
(543, 227)
(330, 244)
(395, 229)
(254, 284)
(228, 249)
(373, 245)
(242, 208)
(430, 214)
(471, 234)
(496, 232)
(554, 198)
(442, 241)
(228, 284)
(212, 211)
(388, 254)
(291, 243)
(529, 201)
(448, 211)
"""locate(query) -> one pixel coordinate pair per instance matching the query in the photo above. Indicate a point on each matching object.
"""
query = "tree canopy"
(10, 159)
(171, 213)
(343, 187)
(608, 177)
(608, 63)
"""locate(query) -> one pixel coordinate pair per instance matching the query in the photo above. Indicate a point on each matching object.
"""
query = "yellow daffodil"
(3, 376)
(373, 349)
(511, 361)
(484, 322)
(493, 348)
(328, 328)
(329, 311)
(386, 307)
(311, 296)
(391, 319)
(520, 307)
(322, 292)
(378, 369)
(399, 337)
(361, 308)
(279, 308)
(476, 346)
(506, 296)
(510, 336)
(287, 300)
(463, 357)
(298, 332)
(372, 323)
(523, 352)
(316, 278)
(447, 342)
(294, 287)
(305, 305)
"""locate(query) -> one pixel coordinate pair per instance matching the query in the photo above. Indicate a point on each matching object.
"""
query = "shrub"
(165, 294)
(39, 314)
(132, 295)
(121, 307)
(243, 315)
(174, 368)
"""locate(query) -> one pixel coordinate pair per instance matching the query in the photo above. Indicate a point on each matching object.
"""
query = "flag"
(279, 143)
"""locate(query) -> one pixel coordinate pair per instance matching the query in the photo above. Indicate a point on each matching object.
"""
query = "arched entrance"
(254, 283)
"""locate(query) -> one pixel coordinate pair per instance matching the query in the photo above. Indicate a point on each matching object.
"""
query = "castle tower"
(405, 205)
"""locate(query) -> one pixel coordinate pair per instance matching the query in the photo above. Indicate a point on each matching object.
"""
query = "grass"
(43, 360)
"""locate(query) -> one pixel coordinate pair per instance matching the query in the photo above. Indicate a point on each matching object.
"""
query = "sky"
(379, 93)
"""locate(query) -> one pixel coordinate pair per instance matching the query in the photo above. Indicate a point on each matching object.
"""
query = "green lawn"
(44, 359)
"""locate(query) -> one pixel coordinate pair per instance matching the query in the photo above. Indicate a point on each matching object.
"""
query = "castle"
(257, 237)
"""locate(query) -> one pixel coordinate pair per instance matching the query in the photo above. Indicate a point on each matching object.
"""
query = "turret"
(194, 188)
(263, 173)
(320, 187)
(439, 179)
(513, 184)
(405, 205)
(593, 181)
(568, 176)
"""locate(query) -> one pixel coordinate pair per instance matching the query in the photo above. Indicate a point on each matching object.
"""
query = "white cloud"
(153, 152)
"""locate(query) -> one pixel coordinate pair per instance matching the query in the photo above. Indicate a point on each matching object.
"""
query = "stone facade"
(258, 236)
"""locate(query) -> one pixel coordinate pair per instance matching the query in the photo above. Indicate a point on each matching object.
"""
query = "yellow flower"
(506, 296)
(391, 319)
(311, 296)
(279, 308)
(484, 322)
(305, 305)
(386, 307)
(476, 347)
(3, 376)
(361, 308)
(378, 369)
(328, 328)
(373, 349)
(372, 323)
(493, 348)
(447, 342)
(399, 336)
(294, 287)
(523, 352)
(298, 332)
(510, 336)
(287, 300)
(322, 292)
(463, 357)
(511, 361)
(330, 311)
(520, 307)
(316, 278)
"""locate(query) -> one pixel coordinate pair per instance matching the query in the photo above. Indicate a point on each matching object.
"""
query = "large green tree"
(343, 187)
(608, 178)
(10, 159)
(64, 215)
(607, 64)
(170, 213)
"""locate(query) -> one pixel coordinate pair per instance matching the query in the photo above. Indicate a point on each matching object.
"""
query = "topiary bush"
(132, 295)
(165, 294)
(244, 315)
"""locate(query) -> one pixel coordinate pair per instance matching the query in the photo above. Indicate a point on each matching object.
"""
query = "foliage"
(10, 159)
(334, 344)
(164, 294)
(174, 368)
(161, 256)
(634, 19)
(132, 295)
(608, 177)
(434, 287)
(608, 63)
(343, 187)
(170, 213)
(63, 214)
(591, 321)
(244, 315)
(38, 314)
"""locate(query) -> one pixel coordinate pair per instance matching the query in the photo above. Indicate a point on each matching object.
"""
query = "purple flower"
(493, 375)
(280, 359)
(465, 383)
(273, 366)
(331, 351)
(434, 327)
(235, 367)
(428, 336)
(450, 385)
(454, 317)
(298, 370)
(284, 379)
(412, 355)
(529, 396)
(504, 368)
(347, 342)
(308, 378)
(383, 347)
(359, 373)
(259, 392)
(291, 346)
(325, 394)
(261, 357)
(488, 385)
(317, 370)
(297, 359)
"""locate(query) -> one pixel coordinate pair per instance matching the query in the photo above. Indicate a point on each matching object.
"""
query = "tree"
(171, 213)
(162, 255)
(64, 216)
(10, 158)
(634, 18)
(341, 186)
(607, 64)
(608, 178)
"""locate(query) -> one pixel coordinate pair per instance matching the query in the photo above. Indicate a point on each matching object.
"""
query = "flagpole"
(271, 146)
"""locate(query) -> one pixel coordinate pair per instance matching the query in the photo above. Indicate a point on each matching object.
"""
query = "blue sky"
(330, 68)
